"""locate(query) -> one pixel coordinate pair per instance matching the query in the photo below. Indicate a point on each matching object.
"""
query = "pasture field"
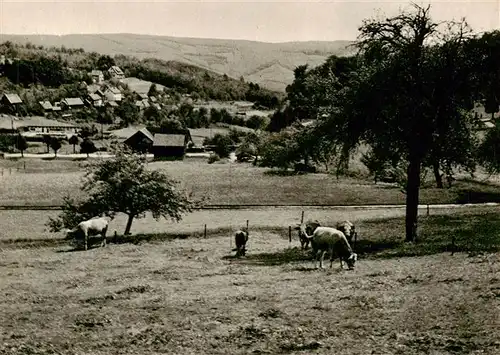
(190, 296)
(46, 182)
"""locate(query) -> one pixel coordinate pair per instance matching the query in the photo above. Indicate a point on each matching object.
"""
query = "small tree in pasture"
(124, 185)
(87, 147)
(47, 139)
(55, 144)
(21, 144)
(74, 141)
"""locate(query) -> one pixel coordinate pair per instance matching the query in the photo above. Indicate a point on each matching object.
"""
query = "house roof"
(143, 95)
(113, 89)
(46, 105)
(112, 103)
(169, 140)
(144, 131)
(116, 69)
(142, 103)
(73, 101)
(126, 132)
(13, 98)
(94, 96)
(96, 72)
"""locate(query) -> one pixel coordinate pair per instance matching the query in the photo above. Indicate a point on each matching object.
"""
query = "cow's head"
(351, 260)
(348, 229)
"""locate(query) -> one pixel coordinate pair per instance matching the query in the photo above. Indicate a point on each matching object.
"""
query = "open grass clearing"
(189, 296)
(46, 182)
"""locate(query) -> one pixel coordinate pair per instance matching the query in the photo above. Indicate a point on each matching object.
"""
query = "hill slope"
(269, 64)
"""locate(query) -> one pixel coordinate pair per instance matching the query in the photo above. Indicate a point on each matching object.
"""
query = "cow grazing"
(91, 227)
(348, 229)
(326, 239)
(310, 228)
(240, 239)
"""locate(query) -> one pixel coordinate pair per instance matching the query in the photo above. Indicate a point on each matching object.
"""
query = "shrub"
(213, 158)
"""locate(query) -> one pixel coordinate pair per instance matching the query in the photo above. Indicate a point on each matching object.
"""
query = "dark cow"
(310, 228)
(240, 239)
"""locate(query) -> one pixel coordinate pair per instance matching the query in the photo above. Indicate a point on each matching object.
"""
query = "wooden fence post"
(302, 218)
(24, 165)
(427, 209)
(290, 234)
(205, 232)
(247, 224)
(452, 244)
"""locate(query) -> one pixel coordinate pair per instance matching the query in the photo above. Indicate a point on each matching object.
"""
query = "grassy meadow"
(190, 296)
(45, 182)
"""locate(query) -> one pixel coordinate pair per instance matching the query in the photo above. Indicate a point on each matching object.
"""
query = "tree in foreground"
(124, 185)
(21, 144)
(413, 88)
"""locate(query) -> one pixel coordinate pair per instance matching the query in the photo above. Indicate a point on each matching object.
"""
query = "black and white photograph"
(250, 177)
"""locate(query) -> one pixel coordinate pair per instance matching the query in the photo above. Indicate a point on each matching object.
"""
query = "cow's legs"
(322, 258)
(103, 244)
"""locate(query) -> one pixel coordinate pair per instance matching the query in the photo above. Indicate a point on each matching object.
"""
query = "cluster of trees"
(43, 70)
(408, 94)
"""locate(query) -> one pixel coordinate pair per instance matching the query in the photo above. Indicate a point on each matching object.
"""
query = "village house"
(10, 103)
(142, 104)
(34, 127)
(112, 93)
(169, 146)
(142, 140)
(46, 106)
(111, 104)
(94, 100)
(97, 76)
(116, 73)
(56, 106)
(71, 103)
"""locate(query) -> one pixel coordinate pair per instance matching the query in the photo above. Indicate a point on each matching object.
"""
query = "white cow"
(91, 227)
(326, 239)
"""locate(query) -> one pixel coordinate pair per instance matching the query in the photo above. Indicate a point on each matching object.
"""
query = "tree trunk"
(129, 224)
(74, 149)
(437, 175)
(412, 191)
(22, 153)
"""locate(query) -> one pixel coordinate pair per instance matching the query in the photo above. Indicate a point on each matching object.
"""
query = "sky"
(257, 20)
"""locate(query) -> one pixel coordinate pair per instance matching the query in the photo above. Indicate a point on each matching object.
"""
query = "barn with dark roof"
(169, 146)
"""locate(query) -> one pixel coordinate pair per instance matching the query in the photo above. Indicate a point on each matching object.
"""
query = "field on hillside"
(46, 182)
(190, 296)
